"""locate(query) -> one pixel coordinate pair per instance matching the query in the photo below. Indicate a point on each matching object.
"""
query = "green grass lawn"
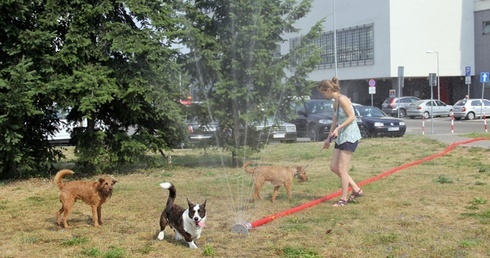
(438, 208)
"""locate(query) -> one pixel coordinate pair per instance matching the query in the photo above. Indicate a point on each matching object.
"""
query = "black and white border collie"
(186, 223)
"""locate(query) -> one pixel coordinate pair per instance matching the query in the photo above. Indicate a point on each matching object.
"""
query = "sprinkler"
(241, 228)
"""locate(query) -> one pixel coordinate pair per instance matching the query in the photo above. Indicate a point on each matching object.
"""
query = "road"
(442, 125)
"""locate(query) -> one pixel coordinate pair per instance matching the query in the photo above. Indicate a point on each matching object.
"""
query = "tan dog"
(277, 176)
(92, 193)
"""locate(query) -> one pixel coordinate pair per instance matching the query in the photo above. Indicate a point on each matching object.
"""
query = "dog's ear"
(189, 203)
(204, 203)
(114, 181)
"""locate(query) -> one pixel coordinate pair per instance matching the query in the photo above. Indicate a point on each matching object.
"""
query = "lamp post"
(438, 84)
(334, 39)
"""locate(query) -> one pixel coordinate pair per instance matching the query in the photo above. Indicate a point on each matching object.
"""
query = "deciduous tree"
(236, 62)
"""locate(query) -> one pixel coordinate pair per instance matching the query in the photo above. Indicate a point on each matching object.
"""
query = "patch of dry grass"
(439, 208)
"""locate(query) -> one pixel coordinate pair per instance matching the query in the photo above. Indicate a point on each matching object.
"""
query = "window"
(476, 103)
(355, 47)
(486, 27)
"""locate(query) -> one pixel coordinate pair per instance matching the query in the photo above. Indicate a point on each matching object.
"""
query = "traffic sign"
(484, 76)
(432, 79)
(392, 93)
(401, 81)
(467, 71)
(372, 90)
(372, 82)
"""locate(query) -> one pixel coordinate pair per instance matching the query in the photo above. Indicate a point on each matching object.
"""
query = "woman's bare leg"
(340, 165)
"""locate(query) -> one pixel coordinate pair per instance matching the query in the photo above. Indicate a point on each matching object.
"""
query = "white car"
(471, 108)
(63, 134)
(429, 107)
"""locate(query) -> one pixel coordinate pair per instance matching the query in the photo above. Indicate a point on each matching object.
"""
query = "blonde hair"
(329, 84)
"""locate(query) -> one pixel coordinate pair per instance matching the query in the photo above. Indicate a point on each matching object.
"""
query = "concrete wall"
(482, 55)
(404, 31)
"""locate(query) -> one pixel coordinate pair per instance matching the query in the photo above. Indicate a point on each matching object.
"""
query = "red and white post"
(485, 122)
(423, 125)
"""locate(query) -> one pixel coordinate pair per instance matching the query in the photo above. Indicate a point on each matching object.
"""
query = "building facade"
(397, 43)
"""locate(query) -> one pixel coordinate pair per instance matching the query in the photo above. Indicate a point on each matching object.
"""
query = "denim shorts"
(348, 146)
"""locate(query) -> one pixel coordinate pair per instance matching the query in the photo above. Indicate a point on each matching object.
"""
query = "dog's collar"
(295, 173)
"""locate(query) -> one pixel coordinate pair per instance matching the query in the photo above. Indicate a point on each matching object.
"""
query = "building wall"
(482, 54)
(403, 33)
(437, 25)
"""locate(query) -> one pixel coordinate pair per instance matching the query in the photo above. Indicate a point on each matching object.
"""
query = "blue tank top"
(351, 133)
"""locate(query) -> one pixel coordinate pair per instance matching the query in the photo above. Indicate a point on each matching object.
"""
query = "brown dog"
(92, 193)
(277, 176)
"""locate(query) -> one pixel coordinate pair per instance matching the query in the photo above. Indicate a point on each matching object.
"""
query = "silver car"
(272, 130)
(428, 107)
(471, 108)
(397, 106)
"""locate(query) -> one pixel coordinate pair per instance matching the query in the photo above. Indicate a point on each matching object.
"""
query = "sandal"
(355, 195)
(340, 203)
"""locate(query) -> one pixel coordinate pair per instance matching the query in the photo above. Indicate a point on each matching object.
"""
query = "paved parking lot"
(444, 130)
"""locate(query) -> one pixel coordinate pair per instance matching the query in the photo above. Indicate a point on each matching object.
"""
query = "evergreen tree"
(110, 62)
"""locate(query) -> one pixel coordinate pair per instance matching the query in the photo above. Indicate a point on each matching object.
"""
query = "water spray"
(243, 228)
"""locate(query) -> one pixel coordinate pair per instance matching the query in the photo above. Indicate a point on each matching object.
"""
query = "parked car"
(62, 136)
(471, 108)
(375, 122)
(200, 133)
(312, 117)
(272, 130)
(425, 107)
(397, 106)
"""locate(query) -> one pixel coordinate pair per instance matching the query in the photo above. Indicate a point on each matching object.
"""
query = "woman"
(345, 132)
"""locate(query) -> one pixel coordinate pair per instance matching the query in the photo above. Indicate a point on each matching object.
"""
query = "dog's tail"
(248, 170)
(60, 175)
(172, 192)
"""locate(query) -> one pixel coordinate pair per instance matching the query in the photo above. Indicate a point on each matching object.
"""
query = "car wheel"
(403, 112)
(426, 115)
(364, 132)
(314, 134)
(470, 116)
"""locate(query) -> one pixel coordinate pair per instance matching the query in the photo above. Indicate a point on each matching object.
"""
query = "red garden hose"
(243, 228)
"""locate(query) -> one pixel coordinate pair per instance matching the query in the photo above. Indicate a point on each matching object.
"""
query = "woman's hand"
(331, 137)
(326, 143)
(334, 134)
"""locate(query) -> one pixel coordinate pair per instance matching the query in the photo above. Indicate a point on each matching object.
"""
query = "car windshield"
(267, 123)
(368, 111)
(320, 106)
(195, 120)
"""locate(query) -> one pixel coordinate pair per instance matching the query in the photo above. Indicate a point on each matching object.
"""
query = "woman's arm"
(331, 134)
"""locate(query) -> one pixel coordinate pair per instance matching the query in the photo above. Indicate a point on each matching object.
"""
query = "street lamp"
(438, 85)
(334, 39)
